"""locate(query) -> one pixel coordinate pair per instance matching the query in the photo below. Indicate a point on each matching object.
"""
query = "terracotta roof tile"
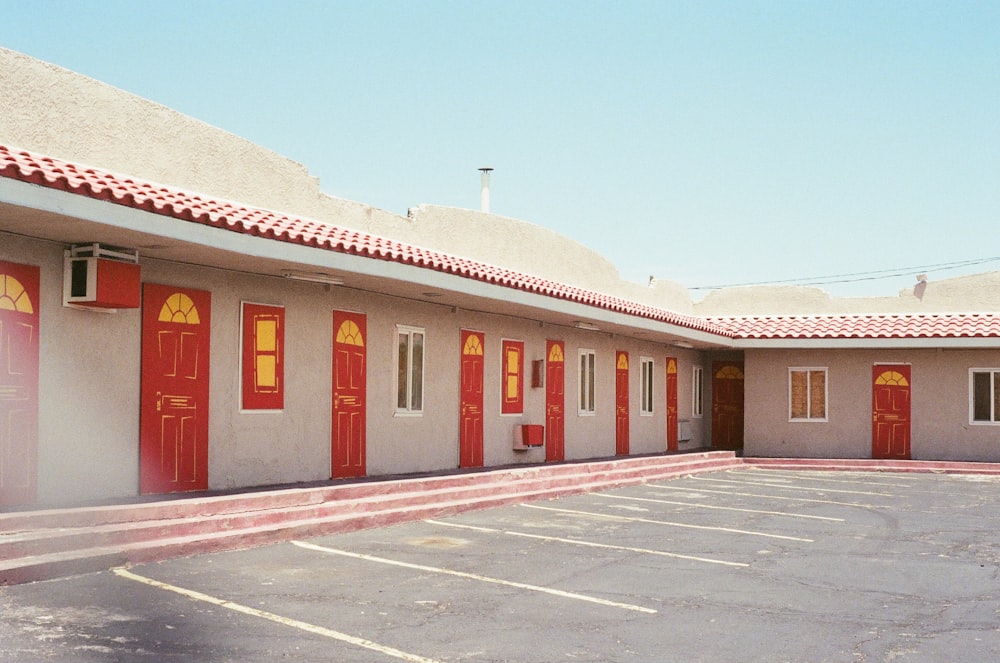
(168, 201)
(890, 326)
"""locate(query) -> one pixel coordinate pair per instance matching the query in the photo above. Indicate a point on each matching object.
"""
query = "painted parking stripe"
(591, 544)
(809, 477)
(769, 497)
(784, 487)
(633, 519)
(270, 616)
(721, 508)
(475, 576)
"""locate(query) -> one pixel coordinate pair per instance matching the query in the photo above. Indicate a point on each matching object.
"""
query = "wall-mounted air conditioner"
(101, 277)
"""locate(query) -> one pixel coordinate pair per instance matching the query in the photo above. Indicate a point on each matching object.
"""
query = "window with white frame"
(984, 395)
(646, 390)
(409, 370)
(697, 391)
(588, 361)
(807, 394)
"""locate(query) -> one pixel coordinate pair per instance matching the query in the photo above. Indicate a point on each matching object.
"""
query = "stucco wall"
(90, 384)
(940, 427)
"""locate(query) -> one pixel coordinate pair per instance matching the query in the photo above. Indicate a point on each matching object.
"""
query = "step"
(289, 497)
(41, 540)
(52, 543)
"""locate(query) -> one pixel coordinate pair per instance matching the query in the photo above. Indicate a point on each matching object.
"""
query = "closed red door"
(18, 383)
(621, 404)
(470, 436)
(727, 405)
(555, 401)
(349, 394)
(173, 437)
(891, 412)
(671, 404)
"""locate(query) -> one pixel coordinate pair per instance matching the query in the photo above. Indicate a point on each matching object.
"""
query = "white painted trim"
(407, 412)
(826, 394)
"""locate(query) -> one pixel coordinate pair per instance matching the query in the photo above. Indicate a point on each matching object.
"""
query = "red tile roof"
(863, 326)
(169, 201)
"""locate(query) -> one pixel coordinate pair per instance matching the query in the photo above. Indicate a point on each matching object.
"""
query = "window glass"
(697, 391)
(409, 369)
(646, 397)
(587, 384)
(807, 394)
(985, 394)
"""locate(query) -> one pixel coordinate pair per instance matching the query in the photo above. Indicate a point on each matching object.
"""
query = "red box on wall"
(101, 283)
(532, 435)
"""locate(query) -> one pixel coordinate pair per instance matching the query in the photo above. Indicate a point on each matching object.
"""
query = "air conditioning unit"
(101, 277)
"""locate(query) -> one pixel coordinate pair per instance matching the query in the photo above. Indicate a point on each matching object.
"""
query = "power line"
(854, 277)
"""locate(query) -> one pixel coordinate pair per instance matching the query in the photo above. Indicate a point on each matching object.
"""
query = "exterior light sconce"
(313, 277)
(587, 326)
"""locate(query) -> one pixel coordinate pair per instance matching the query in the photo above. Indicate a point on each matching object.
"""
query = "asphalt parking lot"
(749, 565)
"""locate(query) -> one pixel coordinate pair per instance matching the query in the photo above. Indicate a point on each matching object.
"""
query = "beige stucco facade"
(89, 371)
(940, 393)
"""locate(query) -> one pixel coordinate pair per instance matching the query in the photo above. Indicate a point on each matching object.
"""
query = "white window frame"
(408, 333)
(646, 387)
(697, 392)
(994, 410)
(826, 394)
(587, 393)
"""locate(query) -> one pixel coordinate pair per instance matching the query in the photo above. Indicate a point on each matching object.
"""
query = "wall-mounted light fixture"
(586, 325)
(313, 277)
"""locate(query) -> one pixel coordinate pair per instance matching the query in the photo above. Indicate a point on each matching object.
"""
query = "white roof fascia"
(34, 196)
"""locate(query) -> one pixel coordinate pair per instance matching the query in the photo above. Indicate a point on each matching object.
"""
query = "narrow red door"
(891, 412)
(349, 394)
(621, 404)
(671, 404)
(727, 405)
(173, 410)
(18, 383)
(470, 435)
(555, 401)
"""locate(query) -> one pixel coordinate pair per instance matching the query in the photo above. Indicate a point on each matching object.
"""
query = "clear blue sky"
(704, 142)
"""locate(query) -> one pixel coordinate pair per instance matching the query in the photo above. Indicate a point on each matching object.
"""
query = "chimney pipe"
(484, 191)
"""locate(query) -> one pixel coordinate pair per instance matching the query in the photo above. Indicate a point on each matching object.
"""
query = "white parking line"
(783, 487)
(721, 508)
(270, 616)
(809, 477)
(474, 576)
(633, 519)
(769, 497)
(590, 544)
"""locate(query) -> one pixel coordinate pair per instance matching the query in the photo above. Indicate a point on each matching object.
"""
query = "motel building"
(182, 310)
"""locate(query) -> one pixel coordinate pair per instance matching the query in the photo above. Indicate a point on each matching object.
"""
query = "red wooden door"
(891, 412)
(173, 410)
(349, 394)
(470, 436)
(671, 404)
(621, 404)
(18, 383)
(727, 405)
(555, 401)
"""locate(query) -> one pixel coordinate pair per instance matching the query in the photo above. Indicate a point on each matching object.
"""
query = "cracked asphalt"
(748, 565)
